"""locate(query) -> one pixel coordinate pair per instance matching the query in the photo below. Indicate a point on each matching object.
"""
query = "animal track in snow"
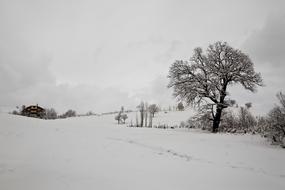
(186, 157)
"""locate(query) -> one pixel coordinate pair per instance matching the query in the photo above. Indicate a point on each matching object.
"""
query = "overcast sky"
(100, 55)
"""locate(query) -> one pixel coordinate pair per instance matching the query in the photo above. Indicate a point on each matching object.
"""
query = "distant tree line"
(145, 114)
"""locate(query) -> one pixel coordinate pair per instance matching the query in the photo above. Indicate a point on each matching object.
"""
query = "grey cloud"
(267, 43)
(157, 92)
(81, 54)
(266, 48)
(16, 74)
(86, 97)
(168, 54)
(80, 97)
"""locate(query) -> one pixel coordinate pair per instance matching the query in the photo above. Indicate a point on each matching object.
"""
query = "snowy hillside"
(96, 153)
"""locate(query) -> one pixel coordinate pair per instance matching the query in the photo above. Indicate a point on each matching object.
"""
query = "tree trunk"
(150, 121)
(217, 119)
(220, 108)
(142, 118)
(137, 120)
(145, 122)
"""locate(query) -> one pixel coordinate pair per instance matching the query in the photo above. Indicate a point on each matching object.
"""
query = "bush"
(153, 108)
(15, 112)
(202, 121)
(261, 126)
(180, 106)
(242, 122)
(246, 120)
(276, 125)
(50, 113)
(69, 113)
(229, 122)
(273, 126)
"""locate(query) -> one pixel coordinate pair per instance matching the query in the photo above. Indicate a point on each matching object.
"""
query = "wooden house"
(34, 111)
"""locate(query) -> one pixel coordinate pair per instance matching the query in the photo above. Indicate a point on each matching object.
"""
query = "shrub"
(276, 124)
(50, 113)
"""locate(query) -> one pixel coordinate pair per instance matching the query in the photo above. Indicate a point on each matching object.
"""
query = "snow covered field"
(96, 153)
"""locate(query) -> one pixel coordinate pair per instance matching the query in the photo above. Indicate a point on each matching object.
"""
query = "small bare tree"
(146, 114)
(153, 108)
(118, 117)
(205, 78)
(246, 120)
(142, 110)
(121, 116)
(124, 117)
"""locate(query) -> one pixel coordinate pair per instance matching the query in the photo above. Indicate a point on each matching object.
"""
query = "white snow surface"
(96, 153)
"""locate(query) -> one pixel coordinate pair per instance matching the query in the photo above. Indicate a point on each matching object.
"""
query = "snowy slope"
(96, 153)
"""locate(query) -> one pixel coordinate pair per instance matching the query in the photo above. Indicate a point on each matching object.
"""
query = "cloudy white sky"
(100, 55)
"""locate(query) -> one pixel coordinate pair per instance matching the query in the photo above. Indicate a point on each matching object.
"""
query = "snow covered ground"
(96, 153)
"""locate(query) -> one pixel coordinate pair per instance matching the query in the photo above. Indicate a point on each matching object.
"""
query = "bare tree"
(204, 79)
(245, 119)
(142, 110)
(153, 108)
(146, 113)
(281, 98)
(118, 117)
(121, 116)
(124, 117)
(137, 120)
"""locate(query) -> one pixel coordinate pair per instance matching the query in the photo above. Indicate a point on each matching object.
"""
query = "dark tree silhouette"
(180, 106)
(118, 117)
(124, 117)
(69, 113)
(153, 108)
(204, 79)
(142, 110)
